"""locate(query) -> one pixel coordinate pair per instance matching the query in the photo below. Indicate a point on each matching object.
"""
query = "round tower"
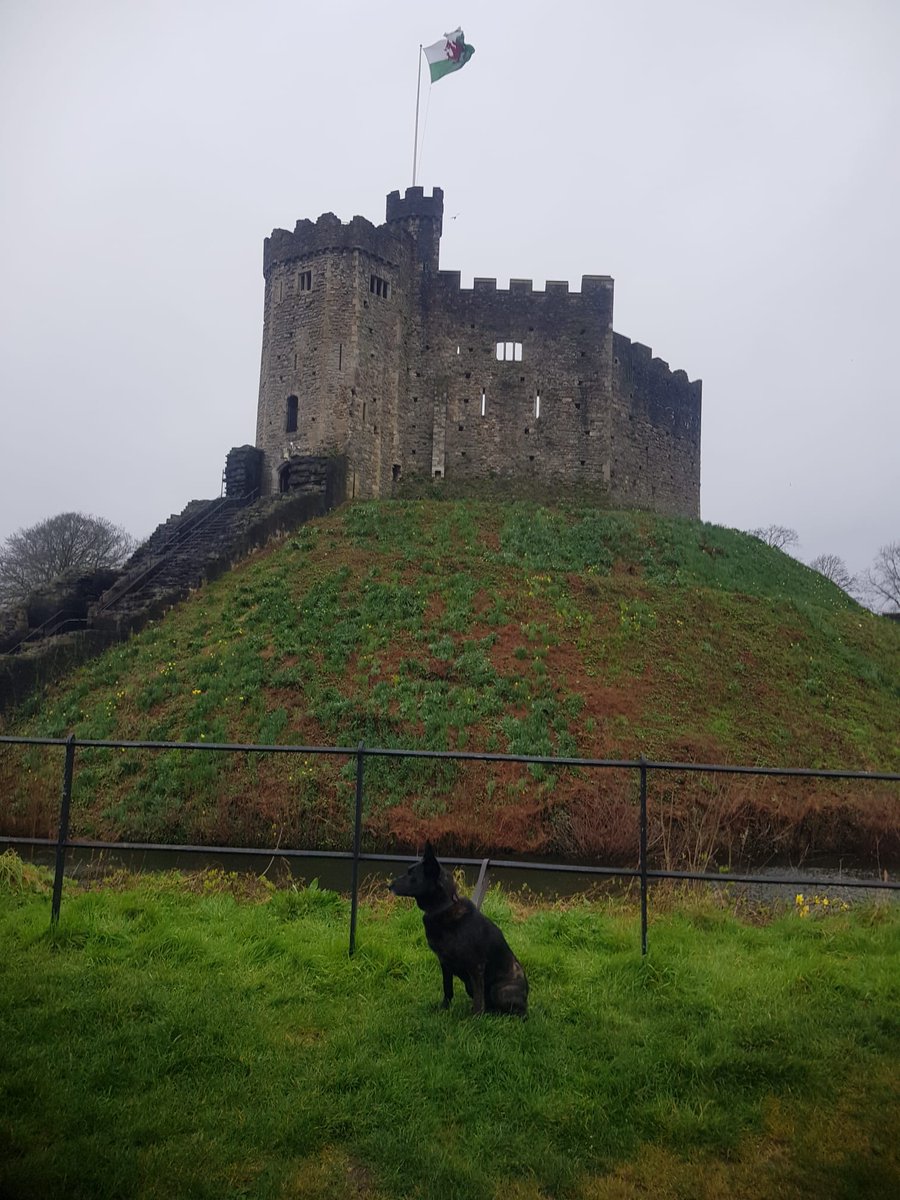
(422, 218)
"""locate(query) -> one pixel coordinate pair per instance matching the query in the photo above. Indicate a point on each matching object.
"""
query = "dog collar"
(445, 907)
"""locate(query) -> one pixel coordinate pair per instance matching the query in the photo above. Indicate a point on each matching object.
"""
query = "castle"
(373, 355)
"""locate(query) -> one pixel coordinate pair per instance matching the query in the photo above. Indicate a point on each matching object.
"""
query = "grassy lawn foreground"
(211, 1037)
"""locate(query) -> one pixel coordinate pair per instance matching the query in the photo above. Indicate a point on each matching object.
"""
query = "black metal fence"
(643, 873)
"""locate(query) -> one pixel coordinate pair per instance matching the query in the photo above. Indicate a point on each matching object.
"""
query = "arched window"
(290, 425)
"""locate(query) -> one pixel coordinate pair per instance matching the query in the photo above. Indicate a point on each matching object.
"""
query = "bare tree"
(778, 536)
(882, 580)
(67, 542)
(833, 567)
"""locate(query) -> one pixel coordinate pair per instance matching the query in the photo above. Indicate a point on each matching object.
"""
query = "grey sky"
(735, 166)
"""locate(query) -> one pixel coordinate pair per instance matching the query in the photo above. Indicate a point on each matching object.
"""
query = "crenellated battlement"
(591, 285)
(329, 233)
(414, 203)
(637, 360)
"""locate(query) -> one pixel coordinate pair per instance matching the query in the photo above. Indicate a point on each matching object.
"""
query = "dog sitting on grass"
(467, 944)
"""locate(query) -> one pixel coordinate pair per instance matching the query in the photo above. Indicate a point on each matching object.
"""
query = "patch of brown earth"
(434, 609)
(490, 540)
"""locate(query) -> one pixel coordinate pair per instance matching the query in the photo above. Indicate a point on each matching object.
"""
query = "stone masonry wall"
(543, 415)
(656, 432)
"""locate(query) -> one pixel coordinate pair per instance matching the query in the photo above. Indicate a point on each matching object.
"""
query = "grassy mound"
(174, 1038)
(507, 628)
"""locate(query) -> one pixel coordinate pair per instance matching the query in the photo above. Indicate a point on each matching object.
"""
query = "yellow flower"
(799, 898)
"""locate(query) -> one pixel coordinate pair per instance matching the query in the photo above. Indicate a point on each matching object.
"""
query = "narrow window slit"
(290, 425)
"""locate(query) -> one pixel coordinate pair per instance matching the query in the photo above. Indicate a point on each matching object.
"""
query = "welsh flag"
(449, 54)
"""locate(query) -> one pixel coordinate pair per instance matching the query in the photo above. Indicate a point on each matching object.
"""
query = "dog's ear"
(432, 866)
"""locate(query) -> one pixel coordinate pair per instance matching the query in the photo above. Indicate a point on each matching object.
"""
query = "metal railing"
(175, 541)
(643, 872)
(52, 626)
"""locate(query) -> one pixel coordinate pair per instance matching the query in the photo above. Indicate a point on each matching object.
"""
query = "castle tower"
(340, 301)
(371, 352)
(421, 218)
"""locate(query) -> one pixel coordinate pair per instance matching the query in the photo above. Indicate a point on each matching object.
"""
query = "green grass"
(172, 1038)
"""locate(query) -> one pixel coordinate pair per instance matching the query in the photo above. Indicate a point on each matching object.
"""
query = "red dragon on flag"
(450, 54)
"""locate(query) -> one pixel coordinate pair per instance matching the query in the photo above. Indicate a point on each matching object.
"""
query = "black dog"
(467, 944)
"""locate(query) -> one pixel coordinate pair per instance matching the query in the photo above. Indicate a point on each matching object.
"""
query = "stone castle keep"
(372, 353)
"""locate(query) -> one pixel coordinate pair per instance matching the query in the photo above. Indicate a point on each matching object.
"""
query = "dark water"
(335, 874)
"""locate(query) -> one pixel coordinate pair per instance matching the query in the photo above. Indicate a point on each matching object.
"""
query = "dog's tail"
(481, 886)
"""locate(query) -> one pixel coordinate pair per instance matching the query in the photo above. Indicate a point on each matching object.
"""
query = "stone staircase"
(183, 552)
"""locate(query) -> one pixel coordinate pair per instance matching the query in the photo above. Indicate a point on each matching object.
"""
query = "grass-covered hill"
(511, 628)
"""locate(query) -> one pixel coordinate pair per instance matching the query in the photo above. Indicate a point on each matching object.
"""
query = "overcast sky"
(734, 164)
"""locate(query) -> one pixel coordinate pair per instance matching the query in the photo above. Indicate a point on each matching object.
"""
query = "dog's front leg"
(477, 977)
(448, 985)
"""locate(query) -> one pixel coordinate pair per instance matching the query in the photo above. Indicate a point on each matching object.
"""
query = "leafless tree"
(882, 579)
(833, 567)
(67, 542)
(778, 536)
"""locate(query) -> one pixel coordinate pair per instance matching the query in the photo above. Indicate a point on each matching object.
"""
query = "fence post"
(62, 835)
(643, 863)
(357, 834)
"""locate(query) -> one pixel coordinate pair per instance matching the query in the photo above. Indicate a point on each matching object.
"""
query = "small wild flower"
(807, 904)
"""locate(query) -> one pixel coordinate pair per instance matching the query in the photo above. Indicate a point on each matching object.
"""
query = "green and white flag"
(449, 54)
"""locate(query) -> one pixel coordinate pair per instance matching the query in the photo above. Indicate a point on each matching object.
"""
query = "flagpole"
(418, 94)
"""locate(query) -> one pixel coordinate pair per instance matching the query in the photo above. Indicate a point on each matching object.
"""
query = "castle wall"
(541, 417)
(656, 432)
(377, 351)
(395, 365)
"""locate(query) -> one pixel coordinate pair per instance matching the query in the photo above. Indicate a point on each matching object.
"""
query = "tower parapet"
(414, 203)
(422, 217)
(326, 234)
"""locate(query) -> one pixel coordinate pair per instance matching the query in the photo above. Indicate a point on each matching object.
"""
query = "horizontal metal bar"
(496, 863)
(804, 772)
(254, 851)
(27, 841)
(464, 755)
(633, 764)
(719, 877)
(228, 747)
(777, 881)
(32, 741)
